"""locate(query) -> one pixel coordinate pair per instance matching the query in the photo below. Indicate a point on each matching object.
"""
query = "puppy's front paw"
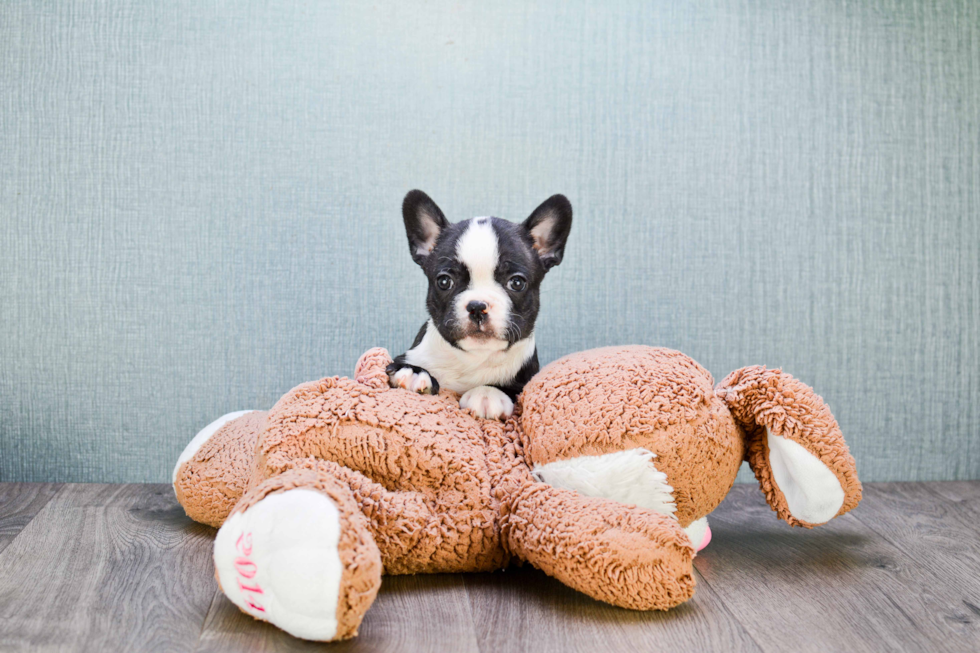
(412, 378)
(487, 402)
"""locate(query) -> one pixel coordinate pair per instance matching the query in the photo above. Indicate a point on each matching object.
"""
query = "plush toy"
(602, 478)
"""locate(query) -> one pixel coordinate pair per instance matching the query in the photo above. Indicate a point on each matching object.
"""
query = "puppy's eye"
(444, 282)
(517, 284)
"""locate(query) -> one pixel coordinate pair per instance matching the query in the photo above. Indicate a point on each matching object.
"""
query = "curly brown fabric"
(426, 487)
(210, 484)
(624, 555)
(761, 399)
(617, 398)
(425, 452)
(359, 555)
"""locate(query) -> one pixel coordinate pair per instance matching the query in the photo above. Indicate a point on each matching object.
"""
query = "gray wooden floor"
(120, 568)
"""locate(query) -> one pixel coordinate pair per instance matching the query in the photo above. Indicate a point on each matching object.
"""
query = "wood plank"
(927, 527)
(19, 503)
(964, 496)
(107, 568)
(839, 587)
(412, 613)
(523, 609)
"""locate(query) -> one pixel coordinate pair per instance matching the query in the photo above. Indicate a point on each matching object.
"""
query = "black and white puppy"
(484, 282)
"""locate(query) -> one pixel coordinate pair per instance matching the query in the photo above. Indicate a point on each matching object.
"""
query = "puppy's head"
(485, 273)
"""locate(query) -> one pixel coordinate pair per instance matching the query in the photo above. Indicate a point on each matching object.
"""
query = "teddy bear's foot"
(279, 561)
(211, 474)
(699, 533)
(301, 559)
(203, 436)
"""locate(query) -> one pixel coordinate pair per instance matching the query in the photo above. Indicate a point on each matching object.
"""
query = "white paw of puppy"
(487, 402)
(409, 379)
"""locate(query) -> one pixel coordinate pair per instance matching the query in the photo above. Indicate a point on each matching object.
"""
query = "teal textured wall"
(199, 206)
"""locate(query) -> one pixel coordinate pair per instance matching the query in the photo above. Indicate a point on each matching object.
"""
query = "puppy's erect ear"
(423, 224)
(549, 226)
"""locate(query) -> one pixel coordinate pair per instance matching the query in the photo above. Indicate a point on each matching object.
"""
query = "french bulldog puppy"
(484, 279)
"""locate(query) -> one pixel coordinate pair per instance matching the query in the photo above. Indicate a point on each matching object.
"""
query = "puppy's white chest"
(460, 370)
(462, 375)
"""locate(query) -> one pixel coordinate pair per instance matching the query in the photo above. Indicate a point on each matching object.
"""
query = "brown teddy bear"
(602, 478)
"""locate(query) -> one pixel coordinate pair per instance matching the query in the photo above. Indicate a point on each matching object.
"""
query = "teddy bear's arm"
(414, 532)
(624, 555)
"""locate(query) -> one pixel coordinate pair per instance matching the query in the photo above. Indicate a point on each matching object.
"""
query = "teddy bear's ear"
(370, 368)
(549, 226)
(424, 222)
(793, 444)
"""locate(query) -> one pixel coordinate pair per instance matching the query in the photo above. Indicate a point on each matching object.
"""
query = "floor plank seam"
(961, 505)
(204, 621)
(910, 562)
(724, 606)
(883, 536)
(56, 493)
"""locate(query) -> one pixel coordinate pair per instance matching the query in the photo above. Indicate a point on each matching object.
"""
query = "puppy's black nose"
(477, 311)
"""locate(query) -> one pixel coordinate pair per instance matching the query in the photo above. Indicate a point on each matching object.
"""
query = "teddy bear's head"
(621, 421)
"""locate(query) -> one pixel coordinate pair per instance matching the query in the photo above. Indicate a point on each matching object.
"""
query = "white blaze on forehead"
(477, 250)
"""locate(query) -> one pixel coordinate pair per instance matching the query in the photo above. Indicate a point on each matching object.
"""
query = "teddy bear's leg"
(794, 445)
(622, 554)
(416, 534)
(213, 471)
(297, 552)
